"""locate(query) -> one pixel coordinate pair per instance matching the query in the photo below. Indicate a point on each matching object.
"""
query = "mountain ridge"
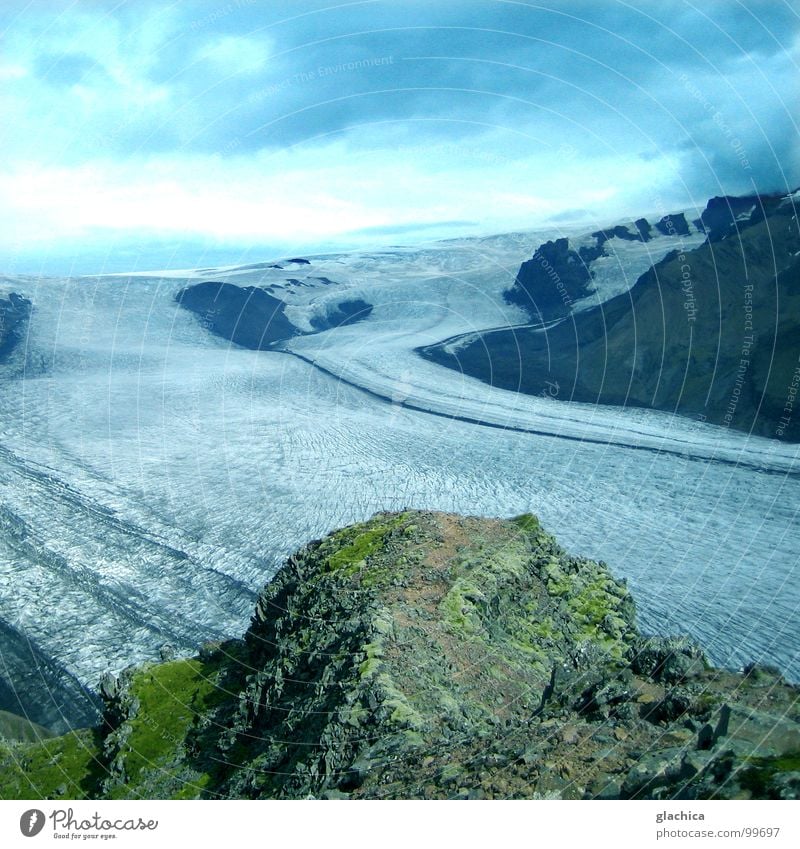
(431, 655)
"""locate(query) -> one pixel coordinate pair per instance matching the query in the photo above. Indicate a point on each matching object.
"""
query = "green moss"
(592, 604)
(350, 556)
(70, 764)
(705, 703)
(543, 629)
(356, 716)
(374, 578)
(451, 771)
(370, 666)
(447, 703)
(413, 739)
(557, 581)
(528, 522)
(499, 673)
(402, 711)
(786, 763)
(757, 776)
(354, 545)
(530, 636)
(193, 789)
(459, 606)
(171, 695)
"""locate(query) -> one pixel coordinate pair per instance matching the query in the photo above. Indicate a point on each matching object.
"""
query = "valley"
(155, 475)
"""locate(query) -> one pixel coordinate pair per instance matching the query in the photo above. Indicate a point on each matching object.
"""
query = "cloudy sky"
(154, 134)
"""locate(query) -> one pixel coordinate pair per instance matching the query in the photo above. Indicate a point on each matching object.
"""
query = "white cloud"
(302, 194)
(236, 54)
(63, 119)
(12, 72)
(112, 115)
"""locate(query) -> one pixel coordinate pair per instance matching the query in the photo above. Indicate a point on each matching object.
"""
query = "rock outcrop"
(722, 214)
(14, 314)
(342, 314)
(254, 318)
(674, 224)
(246, 315)
(428, 655)
(550, 282)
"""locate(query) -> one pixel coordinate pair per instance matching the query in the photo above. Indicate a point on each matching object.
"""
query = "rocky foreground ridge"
(427, 655)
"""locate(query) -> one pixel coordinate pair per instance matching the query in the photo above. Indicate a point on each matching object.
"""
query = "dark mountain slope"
(246, 315)
(712, 333)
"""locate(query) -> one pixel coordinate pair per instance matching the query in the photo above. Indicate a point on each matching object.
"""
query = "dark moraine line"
(738, 464)
(44, 477)
(123, 600)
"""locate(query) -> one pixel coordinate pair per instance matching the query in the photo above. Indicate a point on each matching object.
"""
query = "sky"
(145, 134)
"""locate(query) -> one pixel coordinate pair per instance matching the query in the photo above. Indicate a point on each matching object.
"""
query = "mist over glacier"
(154, 476)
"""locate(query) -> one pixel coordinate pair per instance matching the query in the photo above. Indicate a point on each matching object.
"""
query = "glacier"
(154, 476)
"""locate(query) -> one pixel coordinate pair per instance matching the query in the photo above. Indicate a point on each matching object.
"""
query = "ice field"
(153, 476)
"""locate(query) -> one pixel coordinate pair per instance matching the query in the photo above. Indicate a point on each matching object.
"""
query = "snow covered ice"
(154, 476)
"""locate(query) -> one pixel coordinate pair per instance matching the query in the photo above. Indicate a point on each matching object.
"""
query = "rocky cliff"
(425, 655)
(555, 277)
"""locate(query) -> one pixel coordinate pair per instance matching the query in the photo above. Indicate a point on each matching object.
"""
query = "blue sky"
(152, 134)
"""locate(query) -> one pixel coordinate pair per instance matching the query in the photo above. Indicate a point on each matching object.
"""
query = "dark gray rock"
(668, 659)
(675, 704)
(167, 652)
(785, 785)
(344, 313)
(619, 232)
(15, 311)
(644, 228)
(674, 224)
(719, 219)
(248, 316)
(549, 282)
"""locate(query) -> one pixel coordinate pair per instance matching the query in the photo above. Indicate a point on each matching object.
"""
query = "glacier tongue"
(153, 476)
